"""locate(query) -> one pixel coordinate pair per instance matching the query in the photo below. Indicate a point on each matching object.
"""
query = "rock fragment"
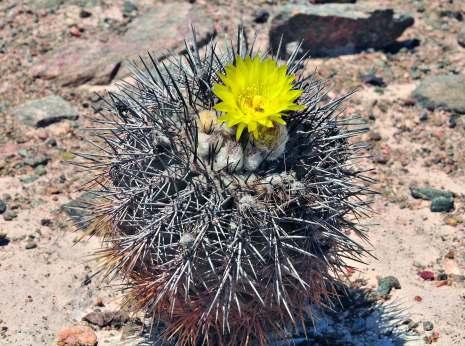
(336, 29)
(443, 92)
(76, 336)
(45, 111)
(98, 61)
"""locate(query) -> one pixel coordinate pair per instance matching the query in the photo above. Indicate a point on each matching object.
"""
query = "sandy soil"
(49, 285)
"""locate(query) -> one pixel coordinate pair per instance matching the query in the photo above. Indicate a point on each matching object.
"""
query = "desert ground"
(56, 54)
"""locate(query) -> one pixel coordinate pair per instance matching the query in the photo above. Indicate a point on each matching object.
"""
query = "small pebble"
(35, 161)
(2, 206)
(453, 121)
(4, 239)
(23, 152)
(423, 115)
(427, 325)
(442, 204)
(9, 215)
(261, 16)
(40, 170)
(46, 222)
(413, 325)
(386, 284)
(372, 79)
(85, 14)
(28, 179)
(381, 158)
(375, 136)
(128, 8)
(52, 142)
(418, 298)
(452, 221)
(30, 245)
(74, 31)
(426, 275)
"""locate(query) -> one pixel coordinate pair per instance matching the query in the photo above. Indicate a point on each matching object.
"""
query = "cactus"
(226, 228)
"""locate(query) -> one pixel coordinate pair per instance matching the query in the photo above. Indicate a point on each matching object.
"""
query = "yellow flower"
(256, 93)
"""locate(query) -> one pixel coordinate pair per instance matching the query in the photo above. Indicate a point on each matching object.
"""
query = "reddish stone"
(97, 61)
(74, 31)
(426, 275)
(76, 336)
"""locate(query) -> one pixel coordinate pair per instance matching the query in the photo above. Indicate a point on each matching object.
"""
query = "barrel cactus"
(226, 189)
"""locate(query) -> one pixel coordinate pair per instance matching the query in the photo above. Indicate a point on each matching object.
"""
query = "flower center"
(251, 101)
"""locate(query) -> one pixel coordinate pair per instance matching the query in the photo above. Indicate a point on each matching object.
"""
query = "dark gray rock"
(444, 92)
(36, 160)
(453, 120)
(386, 284)
(442, 204)
(4, 239)
(429, 194)
(372, 79)
(336, 29)
(261, 16)
(45, 111)
(428, 326)
(85, 14)
(423, 115)
(451, 14)
(2, 206)
(161, 30)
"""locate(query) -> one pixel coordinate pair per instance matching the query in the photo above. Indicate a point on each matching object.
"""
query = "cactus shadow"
(357, 318)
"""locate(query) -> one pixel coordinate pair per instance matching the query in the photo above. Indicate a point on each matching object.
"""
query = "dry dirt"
(50, 286)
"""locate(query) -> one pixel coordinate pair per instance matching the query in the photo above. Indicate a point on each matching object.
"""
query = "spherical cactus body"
(226, 189)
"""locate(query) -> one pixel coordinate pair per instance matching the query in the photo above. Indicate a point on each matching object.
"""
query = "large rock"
(445, 92)
(45, 111)
(336, 29)
(96, 61)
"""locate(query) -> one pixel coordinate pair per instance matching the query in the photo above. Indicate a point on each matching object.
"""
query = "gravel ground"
(47, 275)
